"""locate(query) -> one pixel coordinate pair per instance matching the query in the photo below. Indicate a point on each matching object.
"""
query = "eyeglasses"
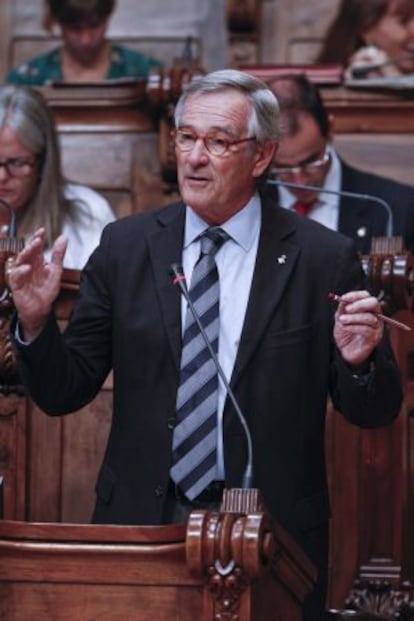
(18, 166)
(215, 143)
(307, 168)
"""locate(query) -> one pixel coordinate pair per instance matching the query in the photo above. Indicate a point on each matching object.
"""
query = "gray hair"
(25, 111)
(263, 122)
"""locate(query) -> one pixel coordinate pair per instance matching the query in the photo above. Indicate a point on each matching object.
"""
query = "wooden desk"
(374, 130)
(367, 111)
(231, 564)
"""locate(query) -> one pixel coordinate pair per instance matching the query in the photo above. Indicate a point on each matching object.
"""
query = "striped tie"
(195, 434)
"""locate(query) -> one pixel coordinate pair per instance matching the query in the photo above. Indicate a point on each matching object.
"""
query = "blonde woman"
(32, 183)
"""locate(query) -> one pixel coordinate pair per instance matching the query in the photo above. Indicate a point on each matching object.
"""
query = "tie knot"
(212, 239)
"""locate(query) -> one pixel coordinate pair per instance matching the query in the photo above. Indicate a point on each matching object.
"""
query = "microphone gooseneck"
(356, 195)
(178, 279)
(12, 228)
(360, 71)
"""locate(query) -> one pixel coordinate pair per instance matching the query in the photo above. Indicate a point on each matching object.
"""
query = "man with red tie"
(306, 156)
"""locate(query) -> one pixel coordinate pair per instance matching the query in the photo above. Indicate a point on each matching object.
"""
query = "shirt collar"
(333, 180)
(243, 227)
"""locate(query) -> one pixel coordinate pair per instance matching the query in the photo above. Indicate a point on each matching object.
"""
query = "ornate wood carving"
(383, 598)
(9, 377)
(390, 271)
(233, 548)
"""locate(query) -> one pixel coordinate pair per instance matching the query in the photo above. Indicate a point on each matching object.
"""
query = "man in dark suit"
(306, 157)
(282, 345)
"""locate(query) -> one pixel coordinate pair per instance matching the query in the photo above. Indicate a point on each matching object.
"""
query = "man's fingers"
(58, 251)
(16, 274)
(31, 252)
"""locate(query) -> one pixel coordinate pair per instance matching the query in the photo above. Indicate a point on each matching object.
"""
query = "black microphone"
(178, 278)
(357, 195)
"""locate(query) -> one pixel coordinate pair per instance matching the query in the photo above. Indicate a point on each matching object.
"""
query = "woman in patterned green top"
(85, 55)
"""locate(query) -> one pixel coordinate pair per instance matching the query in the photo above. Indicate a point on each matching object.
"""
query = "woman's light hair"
(25, 111)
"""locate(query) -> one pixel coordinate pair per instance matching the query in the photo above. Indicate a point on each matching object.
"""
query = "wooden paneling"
(13, 455)
(387, 154)
(62, 478)
(371, 478)
(292, 30)
(5, 30)
(374, 131)
(289, 30)
(109, 140)
(158, 29)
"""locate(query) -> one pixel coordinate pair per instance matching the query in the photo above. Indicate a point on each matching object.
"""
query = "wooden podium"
(234, 565)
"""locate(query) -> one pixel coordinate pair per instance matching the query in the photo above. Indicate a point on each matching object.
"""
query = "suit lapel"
(361, 220)
(352, 212)
(165, 247)
(276, 258)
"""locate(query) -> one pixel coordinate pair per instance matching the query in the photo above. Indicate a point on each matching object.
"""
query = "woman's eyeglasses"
(18, 166)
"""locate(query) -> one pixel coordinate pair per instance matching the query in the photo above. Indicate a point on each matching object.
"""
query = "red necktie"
(302, 208)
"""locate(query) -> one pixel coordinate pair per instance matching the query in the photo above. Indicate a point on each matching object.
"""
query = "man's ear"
(265, 152)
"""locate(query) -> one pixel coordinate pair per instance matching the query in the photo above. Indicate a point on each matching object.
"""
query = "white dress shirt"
(235, 261)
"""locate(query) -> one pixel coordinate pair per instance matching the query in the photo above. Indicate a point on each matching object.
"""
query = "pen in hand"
(392, 322)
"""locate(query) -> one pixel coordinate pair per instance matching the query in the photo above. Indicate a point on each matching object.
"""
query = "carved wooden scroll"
(390, 273)
(237, 552)
(9, 379)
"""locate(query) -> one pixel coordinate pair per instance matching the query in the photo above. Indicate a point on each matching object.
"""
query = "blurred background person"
(32, 183)
(306, 156)
(85, 54)
(377, 33)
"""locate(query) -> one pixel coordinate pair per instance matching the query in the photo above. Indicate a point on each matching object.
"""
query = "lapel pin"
(282, 259)
(362, 231)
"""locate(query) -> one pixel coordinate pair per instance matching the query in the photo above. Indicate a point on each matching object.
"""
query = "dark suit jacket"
(361, 220)
(128, 317)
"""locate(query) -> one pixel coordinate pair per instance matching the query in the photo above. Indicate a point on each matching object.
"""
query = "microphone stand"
(176, 271)
(357, 195)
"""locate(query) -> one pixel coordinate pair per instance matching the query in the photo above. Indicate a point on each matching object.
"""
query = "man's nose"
(198, 152)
